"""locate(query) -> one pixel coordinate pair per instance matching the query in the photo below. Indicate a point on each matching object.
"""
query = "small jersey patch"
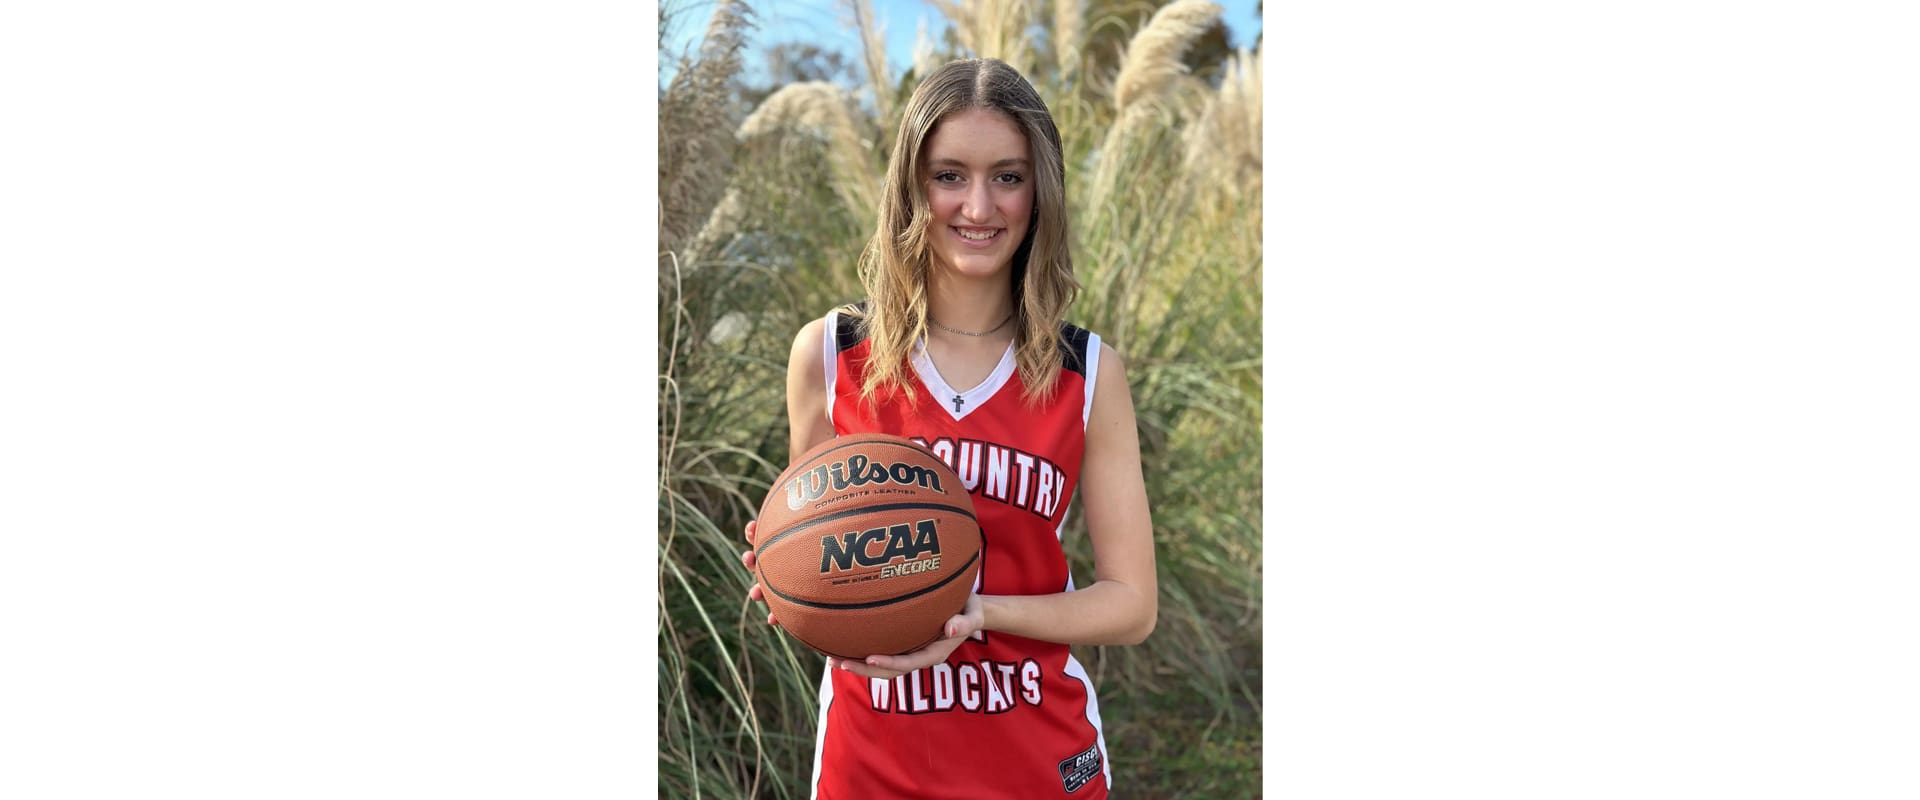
(1080, 769)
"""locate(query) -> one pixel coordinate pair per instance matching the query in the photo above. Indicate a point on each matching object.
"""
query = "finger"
(748, 560)
(905, 663)
(756, 593)
(868, 671)
(771, 620)
(958, 626)
(751, 525)
(889, 663)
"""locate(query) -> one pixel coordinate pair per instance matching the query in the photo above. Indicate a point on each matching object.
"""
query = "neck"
(970, 305)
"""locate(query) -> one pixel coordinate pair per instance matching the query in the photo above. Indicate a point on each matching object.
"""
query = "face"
(978, 177)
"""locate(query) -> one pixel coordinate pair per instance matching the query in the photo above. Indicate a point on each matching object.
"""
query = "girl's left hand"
(960, 626)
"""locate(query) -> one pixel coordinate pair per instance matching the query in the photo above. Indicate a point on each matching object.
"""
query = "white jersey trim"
(1074, 670)
(970, 399)
(831, 354)
(820, 738)
(1079, 673)
(1093, 371)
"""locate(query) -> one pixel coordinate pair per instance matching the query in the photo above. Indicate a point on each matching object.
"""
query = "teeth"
(975, 235)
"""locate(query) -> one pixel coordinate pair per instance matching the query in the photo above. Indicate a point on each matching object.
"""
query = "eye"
(946, 176)
(1010, 178)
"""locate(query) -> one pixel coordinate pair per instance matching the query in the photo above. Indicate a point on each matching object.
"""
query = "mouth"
(977, 237)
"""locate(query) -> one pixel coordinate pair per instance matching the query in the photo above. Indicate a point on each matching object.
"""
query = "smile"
(978, 237)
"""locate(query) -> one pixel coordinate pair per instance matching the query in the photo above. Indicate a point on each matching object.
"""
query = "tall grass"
(761, 230)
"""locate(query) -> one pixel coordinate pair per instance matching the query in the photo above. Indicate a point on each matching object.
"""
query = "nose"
(978, 207)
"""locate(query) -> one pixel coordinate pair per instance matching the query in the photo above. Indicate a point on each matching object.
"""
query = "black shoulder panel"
(1073, 349)
(849, 330)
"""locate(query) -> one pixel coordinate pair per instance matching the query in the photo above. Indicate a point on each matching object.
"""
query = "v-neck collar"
(959, 404)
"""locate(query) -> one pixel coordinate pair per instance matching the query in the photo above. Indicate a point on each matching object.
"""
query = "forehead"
(976, 136)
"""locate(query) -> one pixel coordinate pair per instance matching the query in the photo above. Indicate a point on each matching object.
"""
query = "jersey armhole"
(829, 353)
(1093, 372)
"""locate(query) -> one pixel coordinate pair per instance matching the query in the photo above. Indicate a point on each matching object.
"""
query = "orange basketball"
(866, 545)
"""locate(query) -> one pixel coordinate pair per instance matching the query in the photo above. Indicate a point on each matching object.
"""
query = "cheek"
(1018, 208)
(943, 204)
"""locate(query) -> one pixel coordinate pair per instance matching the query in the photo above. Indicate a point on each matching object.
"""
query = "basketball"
(866, 545)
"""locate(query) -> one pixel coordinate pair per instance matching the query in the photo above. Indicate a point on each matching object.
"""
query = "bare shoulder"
(1112, 399)
(806, 346)
(807, 363)
(807, 400)
(1110, 361)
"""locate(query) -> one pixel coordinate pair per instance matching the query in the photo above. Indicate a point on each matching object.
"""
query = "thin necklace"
(1003, 323)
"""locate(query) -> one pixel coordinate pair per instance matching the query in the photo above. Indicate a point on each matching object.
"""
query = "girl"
(961, 347)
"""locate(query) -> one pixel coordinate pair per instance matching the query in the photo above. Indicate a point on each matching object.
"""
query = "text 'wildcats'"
(852, 471)
(998, 472)
(974, 687)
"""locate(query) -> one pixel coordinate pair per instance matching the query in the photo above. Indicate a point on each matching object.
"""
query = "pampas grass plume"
(824, 112)
(992, 29)
(1223, 148)
(696, 155)
(1153, 57)
(873, 52)
(1069, 32)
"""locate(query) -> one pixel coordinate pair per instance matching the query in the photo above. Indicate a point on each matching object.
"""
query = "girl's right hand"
(746, 560)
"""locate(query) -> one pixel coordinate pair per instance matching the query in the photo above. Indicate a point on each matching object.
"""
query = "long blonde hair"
(896, 264)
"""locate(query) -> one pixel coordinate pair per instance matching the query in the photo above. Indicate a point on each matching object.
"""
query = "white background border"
(327, 447)
(327, 336)
(1591, 382)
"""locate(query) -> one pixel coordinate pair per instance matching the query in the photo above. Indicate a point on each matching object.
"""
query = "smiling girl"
(961, 346)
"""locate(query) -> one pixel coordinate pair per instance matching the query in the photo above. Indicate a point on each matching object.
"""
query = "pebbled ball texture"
(866, 545)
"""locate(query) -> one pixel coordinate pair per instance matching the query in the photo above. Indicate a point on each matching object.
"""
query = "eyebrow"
(1005, 162)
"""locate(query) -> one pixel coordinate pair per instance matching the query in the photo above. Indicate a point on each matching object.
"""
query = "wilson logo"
(902, 542)
(856, 470)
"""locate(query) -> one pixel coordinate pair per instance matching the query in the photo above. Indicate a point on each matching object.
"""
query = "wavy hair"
(896, 264)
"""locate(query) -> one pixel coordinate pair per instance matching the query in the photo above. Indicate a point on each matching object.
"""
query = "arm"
(1122, 604)
(807, 423)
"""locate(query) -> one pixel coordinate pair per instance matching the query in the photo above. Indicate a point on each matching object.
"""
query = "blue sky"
(826, 23)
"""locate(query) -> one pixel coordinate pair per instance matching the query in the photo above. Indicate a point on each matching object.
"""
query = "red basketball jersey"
(1005, 716)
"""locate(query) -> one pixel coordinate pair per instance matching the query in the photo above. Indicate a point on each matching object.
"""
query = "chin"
(978, 265)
